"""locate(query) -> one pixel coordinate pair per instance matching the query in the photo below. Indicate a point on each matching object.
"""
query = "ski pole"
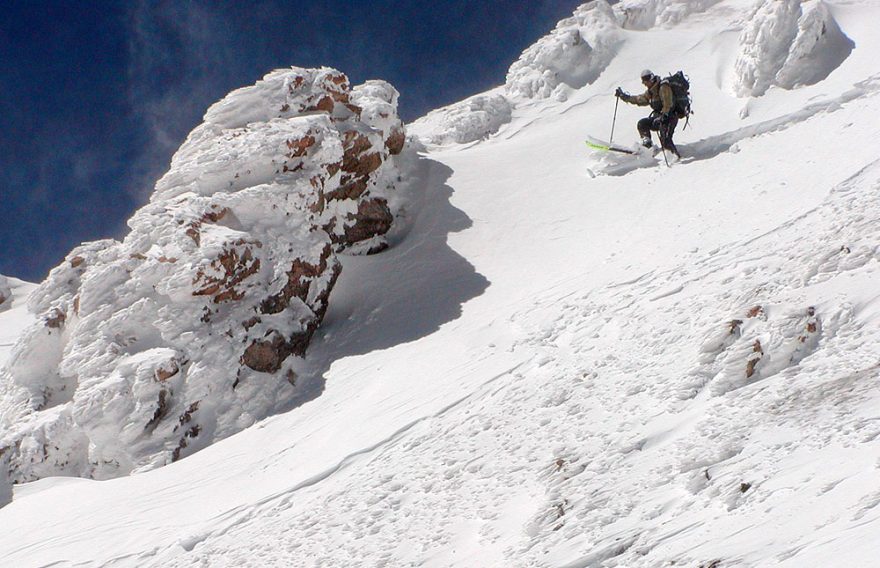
(664, 130)
(616, 102)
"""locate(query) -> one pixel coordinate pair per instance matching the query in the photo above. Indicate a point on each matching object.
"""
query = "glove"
(619, 93)
(664, 118)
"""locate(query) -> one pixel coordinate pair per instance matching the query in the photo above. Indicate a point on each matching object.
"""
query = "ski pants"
(665, 132)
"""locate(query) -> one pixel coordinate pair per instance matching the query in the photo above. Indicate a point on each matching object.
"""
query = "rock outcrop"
(472, 119)
(5, 294)
(191, 328)
(570, 57)
(646, 14)
(788, 43)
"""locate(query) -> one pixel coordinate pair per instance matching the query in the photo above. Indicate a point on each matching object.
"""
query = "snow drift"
(190, 329)
(572, 56)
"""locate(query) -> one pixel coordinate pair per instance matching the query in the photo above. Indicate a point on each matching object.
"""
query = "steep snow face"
(573, 55)
(784, 45)
(191, 328)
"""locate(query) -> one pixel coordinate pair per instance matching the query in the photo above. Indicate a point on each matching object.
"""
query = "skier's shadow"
(402, 294)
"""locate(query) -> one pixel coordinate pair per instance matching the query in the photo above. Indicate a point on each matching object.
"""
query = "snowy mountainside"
(570, 360)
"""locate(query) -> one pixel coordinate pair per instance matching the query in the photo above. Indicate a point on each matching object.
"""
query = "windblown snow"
(563, 358)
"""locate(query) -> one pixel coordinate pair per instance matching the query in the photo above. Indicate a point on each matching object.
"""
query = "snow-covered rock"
(783, 45)
(571, 56)
(5, 294)
(191, 328)
(646, 14)
(764, 44)
(819, 48)
(472, 119)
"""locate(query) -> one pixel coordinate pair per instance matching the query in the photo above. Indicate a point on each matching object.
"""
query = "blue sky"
(96, 96)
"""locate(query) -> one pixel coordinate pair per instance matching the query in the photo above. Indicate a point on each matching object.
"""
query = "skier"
(663, 118)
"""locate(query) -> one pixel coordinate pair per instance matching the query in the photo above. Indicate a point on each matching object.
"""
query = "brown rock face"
(234, 265)
(299, 279)
(757, 354)
(373, 219)
(267, 355)
(56, 319)
(396, 142)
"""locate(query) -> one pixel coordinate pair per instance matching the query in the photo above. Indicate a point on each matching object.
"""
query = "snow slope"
(570, 359)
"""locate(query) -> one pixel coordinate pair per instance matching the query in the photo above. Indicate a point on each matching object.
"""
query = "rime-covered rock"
(472, 119)
(770, 29)
(818, 49)
(646, 14)
(5, 294)
(788, 43)
(571, 56)
(191, 328)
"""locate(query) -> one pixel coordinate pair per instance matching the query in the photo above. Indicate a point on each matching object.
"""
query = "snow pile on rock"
(471, 119)
(783, 45)
(5, 294)
(819, 48)
(191, 328)
(646, 14)
(571, 56)
(764, 42)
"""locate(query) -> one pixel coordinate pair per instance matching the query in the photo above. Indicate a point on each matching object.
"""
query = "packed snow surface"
(572, 359)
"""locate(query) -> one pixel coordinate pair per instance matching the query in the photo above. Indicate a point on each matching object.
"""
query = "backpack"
(680, 86)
